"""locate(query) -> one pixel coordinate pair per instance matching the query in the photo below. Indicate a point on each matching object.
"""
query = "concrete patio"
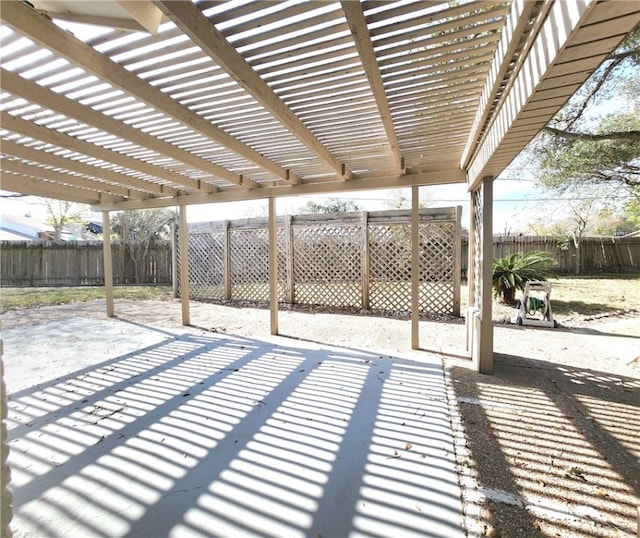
(141, 431)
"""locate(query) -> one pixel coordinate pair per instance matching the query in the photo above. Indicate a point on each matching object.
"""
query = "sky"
(513, 200)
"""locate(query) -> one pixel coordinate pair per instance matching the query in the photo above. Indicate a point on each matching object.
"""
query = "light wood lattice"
(390, 260)
(206, 259)
(358, 261)
(249, 259)
(327, 266)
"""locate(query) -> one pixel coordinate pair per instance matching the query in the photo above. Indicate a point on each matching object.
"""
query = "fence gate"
(344, 261)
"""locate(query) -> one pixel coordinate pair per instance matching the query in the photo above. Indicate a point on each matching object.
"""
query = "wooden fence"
(26, 263)
(596, 254)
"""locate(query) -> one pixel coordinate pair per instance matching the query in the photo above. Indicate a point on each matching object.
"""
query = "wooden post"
(108, 264)
(365, 262)
(174, 260)
(273, 265)
(482, 352)
(291, 291)
(184, 265)
(471, 251)
(226, 264)
(457, 261)
(415, 269)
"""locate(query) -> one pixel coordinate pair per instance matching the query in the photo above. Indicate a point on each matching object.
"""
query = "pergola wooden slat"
(202, 102)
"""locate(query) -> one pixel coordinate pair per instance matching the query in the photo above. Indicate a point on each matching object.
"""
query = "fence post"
(184, 265)
(226, 264)
(290, 295)
(415, 268)
(174, 259)
(457, 261)
(365, 261)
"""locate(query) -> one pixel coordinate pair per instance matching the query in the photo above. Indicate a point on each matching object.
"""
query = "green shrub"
(511, 273)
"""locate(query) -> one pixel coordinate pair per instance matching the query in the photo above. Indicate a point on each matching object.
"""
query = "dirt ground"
(547, 446)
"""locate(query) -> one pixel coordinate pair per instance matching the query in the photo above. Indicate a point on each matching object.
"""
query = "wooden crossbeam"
(360, 32)
(38, 27)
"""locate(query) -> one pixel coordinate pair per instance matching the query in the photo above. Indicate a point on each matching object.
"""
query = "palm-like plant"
(511, 273)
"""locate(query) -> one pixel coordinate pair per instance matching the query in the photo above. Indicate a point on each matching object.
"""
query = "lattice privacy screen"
(360, 260)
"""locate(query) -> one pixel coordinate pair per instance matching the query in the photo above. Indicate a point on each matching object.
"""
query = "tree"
(331, 205)
(401, 199)
(60, 213)
(595, 138)
(138, 229)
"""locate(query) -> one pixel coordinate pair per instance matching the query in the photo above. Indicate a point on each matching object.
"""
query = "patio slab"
(121, 429)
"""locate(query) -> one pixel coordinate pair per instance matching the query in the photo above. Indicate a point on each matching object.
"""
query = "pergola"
(173, 103)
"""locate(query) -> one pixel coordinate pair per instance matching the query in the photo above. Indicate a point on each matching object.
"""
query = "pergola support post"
(108, 262)
(184, 265)
(415, 270)
(273, 265)
(482, 322)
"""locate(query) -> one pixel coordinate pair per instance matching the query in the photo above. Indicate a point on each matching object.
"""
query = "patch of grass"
(583, 296)
(19, 298)
(592, 296)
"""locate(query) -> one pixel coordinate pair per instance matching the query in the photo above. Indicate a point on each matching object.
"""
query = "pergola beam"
(517, 23)
(36, 187)
(566, 24)
(362, 39)
(193, 23)
(445, 176)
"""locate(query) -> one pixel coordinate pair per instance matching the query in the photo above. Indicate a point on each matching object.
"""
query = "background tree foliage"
(60, 213)
(593, 144)
(139, 229)
(331, 205)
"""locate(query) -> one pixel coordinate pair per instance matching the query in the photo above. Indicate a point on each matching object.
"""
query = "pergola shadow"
(219, 435)
(551, 449)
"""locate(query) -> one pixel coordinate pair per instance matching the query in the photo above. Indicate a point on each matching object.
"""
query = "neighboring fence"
(597, 254)
(26, 263)
(352, 260)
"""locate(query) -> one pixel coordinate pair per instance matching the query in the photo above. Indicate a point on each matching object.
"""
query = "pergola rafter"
(189, 18)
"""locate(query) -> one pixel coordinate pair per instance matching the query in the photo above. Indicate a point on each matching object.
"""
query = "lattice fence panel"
(327, 265)
(320, 262)
(390, 267)
(249, 258)
(437, 262)
(206, 264)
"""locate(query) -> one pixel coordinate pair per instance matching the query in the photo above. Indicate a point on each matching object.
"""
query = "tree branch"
(614, 135)
(603, 78)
